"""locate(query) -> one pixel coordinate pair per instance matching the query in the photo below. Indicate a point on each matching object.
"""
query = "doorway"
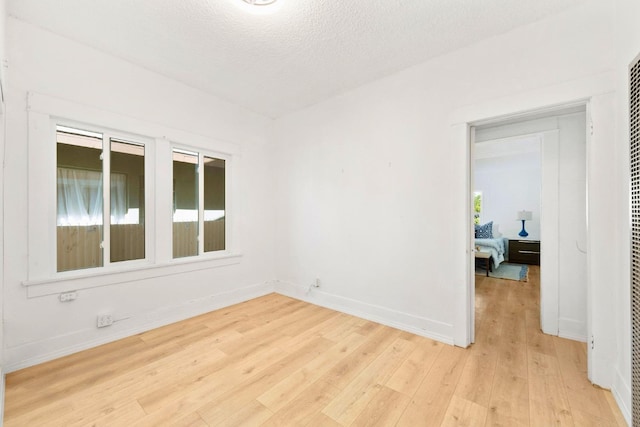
(558, 221)
(598, 94)
(536, 166)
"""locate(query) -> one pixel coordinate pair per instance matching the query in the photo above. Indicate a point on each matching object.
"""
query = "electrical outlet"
(316, 284)
(104, 320)
(68, 296)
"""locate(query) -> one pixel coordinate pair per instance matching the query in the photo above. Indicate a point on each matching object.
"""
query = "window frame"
(44, 113)
(109, 135)
(202, 153)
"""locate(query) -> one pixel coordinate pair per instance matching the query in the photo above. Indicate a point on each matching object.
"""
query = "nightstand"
(524, 251)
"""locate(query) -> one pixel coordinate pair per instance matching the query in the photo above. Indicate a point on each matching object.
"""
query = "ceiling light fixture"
(260, 2)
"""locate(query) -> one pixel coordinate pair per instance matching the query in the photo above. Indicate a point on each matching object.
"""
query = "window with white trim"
(96, 221)
(100, 199)
(199, 205)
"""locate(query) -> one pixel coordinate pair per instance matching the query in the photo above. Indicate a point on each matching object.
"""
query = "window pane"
(477, 206)
(185, 204)
(79, 199)
(214, 204)
(127, 201)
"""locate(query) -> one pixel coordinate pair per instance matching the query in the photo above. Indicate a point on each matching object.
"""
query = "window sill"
(86, 279)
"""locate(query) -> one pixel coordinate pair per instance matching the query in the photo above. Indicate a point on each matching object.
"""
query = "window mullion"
(200, 204)
(106, 200)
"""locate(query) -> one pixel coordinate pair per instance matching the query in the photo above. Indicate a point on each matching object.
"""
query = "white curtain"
(118, 198)
(80, 197)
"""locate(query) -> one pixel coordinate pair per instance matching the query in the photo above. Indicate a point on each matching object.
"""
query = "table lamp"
(524, 216)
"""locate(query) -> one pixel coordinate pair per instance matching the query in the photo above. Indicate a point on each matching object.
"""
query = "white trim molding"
(622, 394)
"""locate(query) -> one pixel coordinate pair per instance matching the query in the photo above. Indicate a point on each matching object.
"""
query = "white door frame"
(597, 93)
(471, 269)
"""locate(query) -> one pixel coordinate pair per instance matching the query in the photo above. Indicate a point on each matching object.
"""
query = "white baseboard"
(572, 329)
(34, 353)
(622, 394)
(422, 326)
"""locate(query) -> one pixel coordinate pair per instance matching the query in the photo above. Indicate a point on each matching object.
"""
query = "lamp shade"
(525, 215)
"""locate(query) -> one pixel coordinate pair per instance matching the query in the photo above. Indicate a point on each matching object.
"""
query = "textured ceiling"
(276, 59)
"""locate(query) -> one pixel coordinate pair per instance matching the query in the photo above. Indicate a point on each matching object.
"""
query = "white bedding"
(494, 246)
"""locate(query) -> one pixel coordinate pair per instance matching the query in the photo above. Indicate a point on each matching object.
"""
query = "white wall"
(3, 26)
(368, 181)
(627, 47)
(3, 47)
(39, 328)
(510, 182)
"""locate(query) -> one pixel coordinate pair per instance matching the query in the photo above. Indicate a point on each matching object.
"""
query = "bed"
(494, 246)
(488, 239)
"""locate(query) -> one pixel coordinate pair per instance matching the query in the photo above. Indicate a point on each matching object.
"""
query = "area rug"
(507, 271)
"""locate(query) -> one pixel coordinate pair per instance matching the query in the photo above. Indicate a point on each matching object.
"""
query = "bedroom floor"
(279, 361)
(530, 378)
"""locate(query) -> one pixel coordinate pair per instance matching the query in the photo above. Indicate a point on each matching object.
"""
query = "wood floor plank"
(190, 396)
(410, 374)
(346, 407)
(464, 413)
(106, 397)
(320, 420)
(488, 334)
(384, 409)
(583, 396)
(584, 419)
(347, 326)
(174, 334)
(286, 390)
(620, 420)
(82, 377)
(32, 378)
(39, 416)
(242, 391)
(350, 366)
(509, 403)
(308, 403)
(268, 334)
(512, 359)
(191, 391)
(251, 413)
(313, 323)
(431, 400)
(270, 318)
(514, 328)
(476, 379)
(548, 403)
(126, 414)
(537, 341)
(191, 420)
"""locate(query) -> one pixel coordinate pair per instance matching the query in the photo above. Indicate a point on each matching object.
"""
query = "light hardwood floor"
(278, 361)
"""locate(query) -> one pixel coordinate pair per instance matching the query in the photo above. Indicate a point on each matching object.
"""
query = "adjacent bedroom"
(507, 206)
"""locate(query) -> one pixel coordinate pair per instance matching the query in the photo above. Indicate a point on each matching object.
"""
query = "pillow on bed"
(485, 231)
